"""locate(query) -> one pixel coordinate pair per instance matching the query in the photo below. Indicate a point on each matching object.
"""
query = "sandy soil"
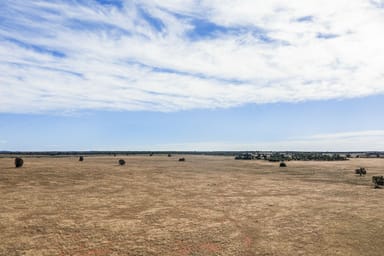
(205, 206)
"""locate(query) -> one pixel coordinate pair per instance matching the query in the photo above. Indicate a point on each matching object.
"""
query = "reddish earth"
(207, 205)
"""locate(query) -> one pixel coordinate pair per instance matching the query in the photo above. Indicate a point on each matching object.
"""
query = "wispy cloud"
(346, 135)
(349, 141)
(174, 55)
(358, 141)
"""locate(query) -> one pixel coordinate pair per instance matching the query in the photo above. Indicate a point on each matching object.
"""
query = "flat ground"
(205, 206)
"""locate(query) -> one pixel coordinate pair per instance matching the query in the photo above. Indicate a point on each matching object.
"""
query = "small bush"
(121, 162)
(182, 159)
(81, 158)
(283, 164)
(361, 171)
(19, 162)
(378, 181)
(169, 155)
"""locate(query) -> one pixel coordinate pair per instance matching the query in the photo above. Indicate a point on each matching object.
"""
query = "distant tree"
(19, 162)
(378, 181)
(361, 171)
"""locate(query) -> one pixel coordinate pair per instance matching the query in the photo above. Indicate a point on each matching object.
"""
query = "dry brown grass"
(204, 206)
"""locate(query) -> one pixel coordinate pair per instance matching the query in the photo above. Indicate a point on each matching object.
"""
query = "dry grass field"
(207, 205)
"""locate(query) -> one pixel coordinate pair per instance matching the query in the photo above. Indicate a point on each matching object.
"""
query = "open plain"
(207, 205)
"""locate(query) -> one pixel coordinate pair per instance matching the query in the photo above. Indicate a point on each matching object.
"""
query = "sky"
(192, 75)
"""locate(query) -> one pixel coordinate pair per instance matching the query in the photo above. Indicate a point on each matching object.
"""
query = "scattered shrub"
(19, 162)
(283, 164)
(121, 162)
(378, 181)
(361, 171)
(81, 158)
(182, 159)
(245, 156)
(169, 155)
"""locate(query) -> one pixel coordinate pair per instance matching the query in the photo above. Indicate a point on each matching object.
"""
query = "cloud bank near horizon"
(177, 55)
(358, 141)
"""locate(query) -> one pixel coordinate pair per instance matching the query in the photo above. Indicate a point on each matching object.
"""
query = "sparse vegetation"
(378, 181)
(283, 164)
(288, 156)
(245, 156)
(81, 158)
(304, 156)
(121, 162)
(182, 159)
(361, 171)
(19, 162)
(210, 206)
(169, 155)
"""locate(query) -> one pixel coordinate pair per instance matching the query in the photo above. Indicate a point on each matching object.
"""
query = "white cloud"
(114, 58)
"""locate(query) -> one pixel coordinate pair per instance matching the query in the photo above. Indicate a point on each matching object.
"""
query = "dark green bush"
(19, 162)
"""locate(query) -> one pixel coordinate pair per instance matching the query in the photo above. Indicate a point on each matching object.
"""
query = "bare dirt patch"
(204, 206)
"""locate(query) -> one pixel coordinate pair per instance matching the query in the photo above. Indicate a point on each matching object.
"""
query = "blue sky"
(191, 75)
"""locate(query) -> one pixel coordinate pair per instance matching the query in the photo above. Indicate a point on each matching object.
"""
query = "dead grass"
(204, 206)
